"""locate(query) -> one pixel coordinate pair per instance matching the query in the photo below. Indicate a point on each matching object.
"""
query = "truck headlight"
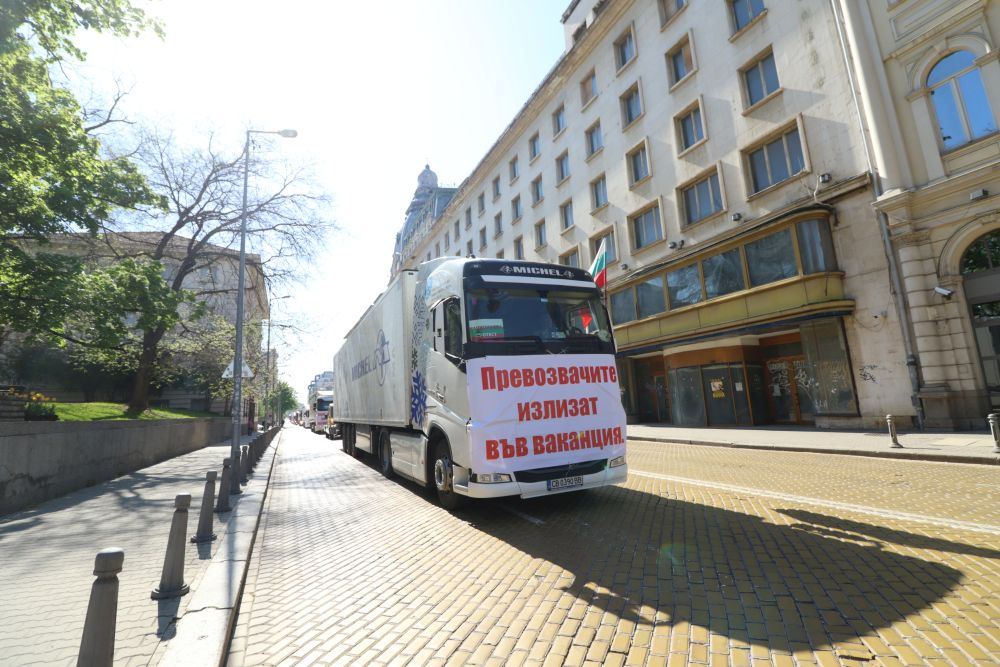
(491, 477)
(617, 461)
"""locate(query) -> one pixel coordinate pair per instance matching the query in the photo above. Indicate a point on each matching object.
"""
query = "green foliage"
(37, 407)
(81, 412)
(284, 398)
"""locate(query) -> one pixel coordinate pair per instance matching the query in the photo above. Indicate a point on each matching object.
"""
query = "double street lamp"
(241, 290)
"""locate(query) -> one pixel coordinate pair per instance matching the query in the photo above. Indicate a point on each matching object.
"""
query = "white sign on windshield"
(540, 411)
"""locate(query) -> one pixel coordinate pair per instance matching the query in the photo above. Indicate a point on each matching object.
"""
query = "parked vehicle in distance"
(320, 409)
(332, 427)
(485, 378)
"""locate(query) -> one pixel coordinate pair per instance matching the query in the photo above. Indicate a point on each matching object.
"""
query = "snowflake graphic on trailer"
(418, 399)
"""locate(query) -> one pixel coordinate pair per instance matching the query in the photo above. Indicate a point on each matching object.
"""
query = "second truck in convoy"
(485, 378)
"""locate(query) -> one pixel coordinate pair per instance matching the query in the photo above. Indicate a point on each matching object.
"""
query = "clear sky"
(375, 90)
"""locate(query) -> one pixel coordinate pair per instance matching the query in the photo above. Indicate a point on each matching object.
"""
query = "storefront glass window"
(723, 273)
(687, 403)
(622, 306)
(825, 376)
(684, 286)
(650, 297)
(771, 258)
(815, 246)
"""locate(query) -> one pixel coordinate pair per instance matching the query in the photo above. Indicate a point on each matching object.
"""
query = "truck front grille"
(558, 472)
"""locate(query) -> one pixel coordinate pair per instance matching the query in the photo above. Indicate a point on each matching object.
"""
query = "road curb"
(911, 455)
(203, 634)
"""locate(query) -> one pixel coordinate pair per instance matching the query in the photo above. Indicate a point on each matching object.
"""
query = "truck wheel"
(384, 454)
(444, 477)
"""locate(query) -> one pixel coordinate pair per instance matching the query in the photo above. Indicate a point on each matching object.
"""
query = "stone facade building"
(789, 236)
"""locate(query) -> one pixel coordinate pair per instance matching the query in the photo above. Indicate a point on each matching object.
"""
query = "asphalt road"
(705, 556)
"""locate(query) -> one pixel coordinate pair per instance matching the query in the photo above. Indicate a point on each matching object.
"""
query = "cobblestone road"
(706, 556)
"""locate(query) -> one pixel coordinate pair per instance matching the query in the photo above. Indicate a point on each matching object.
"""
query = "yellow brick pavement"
(351, 568)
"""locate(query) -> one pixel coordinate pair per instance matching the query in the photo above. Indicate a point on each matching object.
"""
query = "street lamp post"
(241, 289)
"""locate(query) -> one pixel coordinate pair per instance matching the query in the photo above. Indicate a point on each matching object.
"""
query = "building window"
(702, 198)
(623, 306)
(595, 141)
(631, 103)
(572, 258)
(497, 225)
(649, 297)
(684, 286)
(482, 238)
(815, 246)
(776, 161)
(468, 247)
(558, 120)
(680, 62)
(456, 231)
(468, 217)
(437, 249)
(689, 128)
(771, 258)
(566, 215)
(669, 9)
(646, 227)
(588, 87)
(536, 190)
(519, 248)
(514, 169)
(960, 102)
(638, 164)
(428, 256)
(496, 188)
(481, 201)
(540, 239)
(624, 49)
(500, 254)
(515, 208)
(562, 167)
(599, 192)
(610, 249)
(447, 240)
(534, 146)
(723, 273)
(760, 79)
(745, 11)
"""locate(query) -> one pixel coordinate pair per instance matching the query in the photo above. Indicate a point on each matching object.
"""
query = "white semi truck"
(485, 378)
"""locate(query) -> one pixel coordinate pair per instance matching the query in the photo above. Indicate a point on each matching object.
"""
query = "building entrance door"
(651, 385)
(786, 403)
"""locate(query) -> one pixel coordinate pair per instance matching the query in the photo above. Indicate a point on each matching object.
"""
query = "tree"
(200, 233)
(54, 176)
(283, 399)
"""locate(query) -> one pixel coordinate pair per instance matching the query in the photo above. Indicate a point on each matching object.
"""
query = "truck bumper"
(605, 477)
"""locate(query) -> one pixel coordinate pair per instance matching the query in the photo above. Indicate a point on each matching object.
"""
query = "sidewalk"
(966, 447)
(48, 556)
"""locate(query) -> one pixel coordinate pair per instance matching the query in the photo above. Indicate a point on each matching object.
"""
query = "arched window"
(983, 254)
(963, 111)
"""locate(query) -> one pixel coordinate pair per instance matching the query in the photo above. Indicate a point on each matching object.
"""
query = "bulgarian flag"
(599, 269)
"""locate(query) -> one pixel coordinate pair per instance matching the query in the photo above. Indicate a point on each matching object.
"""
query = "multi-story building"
(733, 154)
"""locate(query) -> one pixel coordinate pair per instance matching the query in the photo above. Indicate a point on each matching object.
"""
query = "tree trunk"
(144, 373)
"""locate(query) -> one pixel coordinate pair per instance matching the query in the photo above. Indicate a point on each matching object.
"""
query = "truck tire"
(385, 454)
(444, 476)
(345, 443)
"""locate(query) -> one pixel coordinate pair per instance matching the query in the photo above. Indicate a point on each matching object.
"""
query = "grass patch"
(86, 412)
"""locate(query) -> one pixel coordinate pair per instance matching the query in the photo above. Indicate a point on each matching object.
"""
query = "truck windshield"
(520, 320)
(322, 404)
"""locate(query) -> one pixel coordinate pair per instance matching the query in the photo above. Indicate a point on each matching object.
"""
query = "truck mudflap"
(531, 484)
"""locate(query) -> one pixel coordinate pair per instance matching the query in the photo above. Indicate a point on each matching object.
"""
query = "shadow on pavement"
(643, 557)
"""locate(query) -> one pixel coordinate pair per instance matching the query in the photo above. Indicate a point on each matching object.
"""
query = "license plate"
(564, 483)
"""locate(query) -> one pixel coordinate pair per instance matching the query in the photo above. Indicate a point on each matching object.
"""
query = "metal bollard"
(205, 533)
(891, 421)
(244, 464)
(252, 455)
(172, 580)
(97, 647)
(994, 421)
(222, 504)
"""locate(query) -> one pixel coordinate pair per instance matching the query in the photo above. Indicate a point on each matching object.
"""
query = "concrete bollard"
(244, 464)
(894, 439)
(97, 647)
(172, 580)
(205, 533)
(222, 504)
(994, 421)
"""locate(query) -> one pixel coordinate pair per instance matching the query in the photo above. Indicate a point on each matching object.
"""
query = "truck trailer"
(485, 378)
